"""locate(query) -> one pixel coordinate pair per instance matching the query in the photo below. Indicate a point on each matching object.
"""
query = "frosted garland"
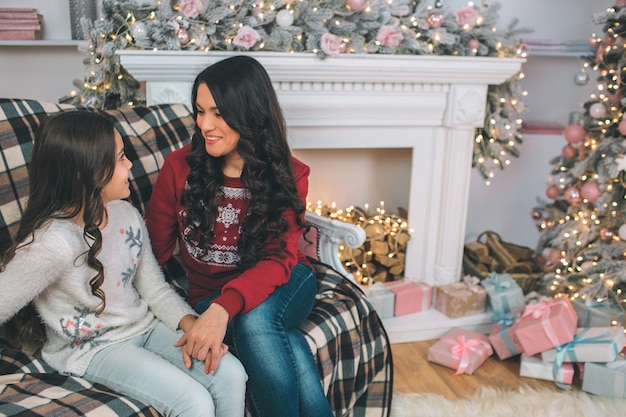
(327, 28)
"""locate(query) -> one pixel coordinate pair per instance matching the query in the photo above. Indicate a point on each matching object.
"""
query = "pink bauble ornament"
(554, 255)
(355, 4)
(597, 110)
(569, 151)
(606, 234)
(574, 133)
(572, 196)
(552, 192)
(622, 127)
(593, 40)
(435, 20)
(620, 3)
(590, 191)
(183, 36)
(473, 43)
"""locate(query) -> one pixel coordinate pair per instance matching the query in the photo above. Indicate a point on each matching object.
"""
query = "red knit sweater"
(213, 270)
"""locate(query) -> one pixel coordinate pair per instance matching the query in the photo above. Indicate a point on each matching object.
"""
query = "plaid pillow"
(149, 134)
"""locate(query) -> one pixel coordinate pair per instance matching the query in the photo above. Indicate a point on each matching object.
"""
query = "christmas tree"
(326, 28)
(583, 224)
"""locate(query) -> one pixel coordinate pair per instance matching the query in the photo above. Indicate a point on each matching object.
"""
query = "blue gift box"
(382, 299)
(605, 379)
(503, 293)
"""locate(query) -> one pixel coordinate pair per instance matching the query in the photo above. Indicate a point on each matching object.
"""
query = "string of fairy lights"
(391, 230)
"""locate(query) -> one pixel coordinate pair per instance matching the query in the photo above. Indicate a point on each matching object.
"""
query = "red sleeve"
(254, 285)
(162, 210)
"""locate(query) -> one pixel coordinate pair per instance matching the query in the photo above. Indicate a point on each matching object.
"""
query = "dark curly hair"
(247, 102)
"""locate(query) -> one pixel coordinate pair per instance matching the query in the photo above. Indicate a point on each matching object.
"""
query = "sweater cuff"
(232, 302)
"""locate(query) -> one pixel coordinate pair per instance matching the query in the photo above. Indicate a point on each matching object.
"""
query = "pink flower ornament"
(466, 16)
(191, 8)
(331, 44)
(246, 37)
(389, 36)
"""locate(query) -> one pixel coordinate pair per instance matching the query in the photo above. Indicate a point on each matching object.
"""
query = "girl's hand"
(204, 340)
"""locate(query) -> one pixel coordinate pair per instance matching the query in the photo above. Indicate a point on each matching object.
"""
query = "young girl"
(83, 257)
(234, 201)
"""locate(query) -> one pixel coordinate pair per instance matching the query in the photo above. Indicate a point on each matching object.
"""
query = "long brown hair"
(73, 158)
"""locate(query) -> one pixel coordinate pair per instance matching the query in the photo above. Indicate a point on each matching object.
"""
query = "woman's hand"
(204, 339)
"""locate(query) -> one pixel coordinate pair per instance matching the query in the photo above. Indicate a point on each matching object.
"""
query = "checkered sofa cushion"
(149, 134)
(344, 332)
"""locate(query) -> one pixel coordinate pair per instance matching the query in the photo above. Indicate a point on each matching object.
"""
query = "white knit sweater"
(53, 272)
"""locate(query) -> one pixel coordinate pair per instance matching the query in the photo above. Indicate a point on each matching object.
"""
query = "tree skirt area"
(524, 402)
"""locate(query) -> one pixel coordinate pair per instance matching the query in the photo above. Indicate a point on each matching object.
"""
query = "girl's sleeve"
(33, 268)
(163, 300)
(254, 285)
(161, 216)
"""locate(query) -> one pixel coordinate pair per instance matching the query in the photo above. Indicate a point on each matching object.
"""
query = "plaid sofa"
(344, 332)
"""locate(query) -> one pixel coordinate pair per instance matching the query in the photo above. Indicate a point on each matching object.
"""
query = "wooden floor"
(413, 373)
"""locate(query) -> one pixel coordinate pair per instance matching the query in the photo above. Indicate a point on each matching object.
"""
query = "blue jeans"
(283, 377)
(149, 368)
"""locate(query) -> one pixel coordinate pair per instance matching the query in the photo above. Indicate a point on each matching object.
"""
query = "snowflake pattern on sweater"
(222, 249)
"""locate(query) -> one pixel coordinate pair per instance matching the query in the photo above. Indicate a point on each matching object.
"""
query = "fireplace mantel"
(429, 104)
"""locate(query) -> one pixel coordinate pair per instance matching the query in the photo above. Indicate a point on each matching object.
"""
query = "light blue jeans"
(283, 377)
(149, 368)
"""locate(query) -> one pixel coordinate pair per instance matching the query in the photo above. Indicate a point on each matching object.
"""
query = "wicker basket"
(491, 254)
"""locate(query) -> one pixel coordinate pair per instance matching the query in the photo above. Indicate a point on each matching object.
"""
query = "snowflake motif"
(80, 330)
(228, 215)
(134, 239)
(129, 274)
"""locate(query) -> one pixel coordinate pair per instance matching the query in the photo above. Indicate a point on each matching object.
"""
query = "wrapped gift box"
(545, 325)
(460, 349)
(410, 296)
(502, 335)
(605, 379)
(535, 367)
(590, 344)
(504, 295)
(381, 299)
(460, 299)
(592, 313)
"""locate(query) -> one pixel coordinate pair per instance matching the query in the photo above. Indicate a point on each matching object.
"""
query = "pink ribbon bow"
(461, 348)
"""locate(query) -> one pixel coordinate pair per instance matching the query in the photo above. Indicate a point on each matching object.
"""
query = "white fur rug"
(525, 402)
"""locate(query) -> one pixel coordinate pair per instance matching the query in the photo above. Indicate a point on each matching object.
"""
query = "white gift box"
(590, 344)
(534, 367)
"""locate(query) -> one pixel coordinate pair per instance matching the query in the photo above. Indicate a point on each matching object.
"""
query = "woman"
(234, 201)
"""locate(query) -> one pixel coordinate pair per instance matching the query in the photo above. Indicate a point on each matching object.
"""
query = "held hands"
(203, 338)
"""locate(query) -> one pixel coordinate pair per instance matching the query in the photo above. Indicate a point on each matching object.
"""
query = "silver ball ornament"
(139, 30)
(284, 19)
(581, 78)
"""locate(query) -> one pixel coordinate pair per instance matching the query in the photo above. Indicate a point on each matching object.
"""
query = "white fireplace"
(429, 104)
